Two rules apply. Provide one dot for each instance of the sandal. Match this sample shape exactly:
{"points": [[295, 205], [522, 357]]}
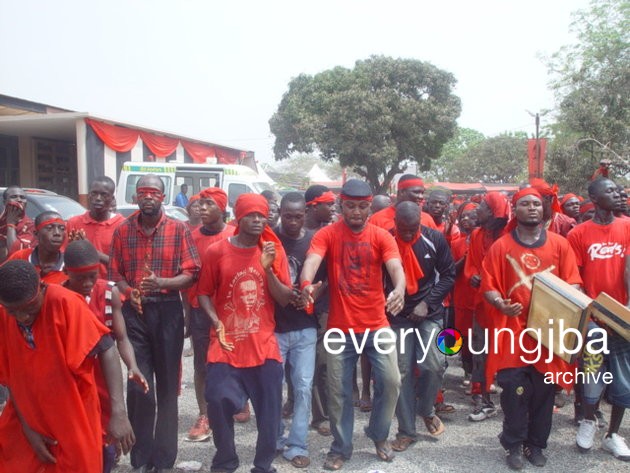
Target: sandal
{"points": [[384, 451], [443, 408], [322, 429], [402, 443], [434, 425], [365, 405], [334, 462], [300, 461]]}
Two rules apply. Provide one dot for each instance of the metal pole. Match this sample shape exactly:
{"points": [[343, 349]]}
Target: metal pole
{"points": [[538, 167]]}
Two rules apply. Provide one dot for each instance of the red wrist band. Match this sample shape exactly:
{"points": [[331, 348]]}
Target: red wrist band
{"points": [[305, 283]]}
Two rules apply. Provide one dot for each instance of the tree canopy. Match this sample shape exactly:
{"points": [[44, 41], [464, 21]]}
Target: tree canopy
{"points": [[374, 118], [591, 80]]}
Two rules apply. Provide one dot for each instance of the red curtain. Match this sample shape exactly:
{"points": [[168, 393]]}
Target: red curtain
{"points": [[198, 152], [115, 137], [161, 146], [225, 156]]}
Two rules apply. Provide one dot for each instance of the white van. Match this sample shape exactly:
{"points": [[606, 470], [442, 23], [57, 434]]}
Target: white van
{"points": [[234, 179]]}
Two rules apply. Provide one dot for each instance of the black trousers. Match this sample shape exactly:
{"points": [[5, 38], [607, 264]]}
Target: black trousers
{"points": [[527, 403], [157, 337], [263, 385]]}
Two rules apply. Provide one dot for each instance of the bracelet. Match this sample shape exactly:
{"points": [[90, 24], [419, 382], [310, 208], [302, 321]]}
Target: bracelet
{"points": [[305, 283]]}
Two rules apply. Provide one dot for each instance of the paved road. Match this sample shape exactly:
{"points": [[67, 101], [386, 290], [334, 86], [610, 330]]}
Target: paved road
{"points": [[464, 447]]}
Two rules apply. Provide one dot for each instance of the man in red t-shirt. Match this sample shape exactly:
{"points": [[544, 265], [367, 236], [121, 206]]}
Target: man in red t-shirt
{"points": [[601, 246], [98, 224], [16, 228], [506, 284], [241, 278], [355, 252], [212, 204], [47, 256], [410, 188]]}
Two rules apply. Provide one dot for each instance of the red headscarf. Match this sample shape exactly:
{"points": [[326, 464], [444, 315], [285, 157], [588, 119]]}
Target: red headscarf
{"points": [[568, 197], [251, 203], [586, 206], [544, 188], [218, 195], [498, 203], [515, 198], [467, 207]]}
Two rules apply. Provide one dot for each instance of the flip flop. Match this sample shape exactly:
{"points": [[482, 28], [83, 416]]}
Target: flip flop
{"points": [[384, 451], [334, 462], [365, 405], [443, 408], [402, 443], [300, 461], [434, 425]]}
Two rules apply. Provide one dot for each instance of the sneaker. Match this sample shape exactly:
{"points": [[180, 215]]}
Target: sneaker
{"points": [[482, 412], [515, 458], [601, 421], [616, 445], [200, 432], [244, 415], [586, 435], [535, 455]]}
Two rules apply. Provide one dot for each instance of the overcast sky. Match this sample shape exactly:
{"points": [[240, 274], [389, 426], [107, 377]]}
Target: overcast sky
{"points": [[217, 70]]}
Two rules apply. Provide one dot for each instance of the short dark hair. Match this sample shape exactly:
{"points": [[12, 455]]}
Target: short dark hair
{"points": [[80, 253], [597, 184], [20, 281], [269, 195], [108, 181], [150, 176], [292, 198], [5, 194], [314, 191]]}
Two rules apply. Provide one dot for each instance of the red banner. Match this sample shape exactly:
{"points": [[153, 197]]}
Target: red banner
{"points": [[536, 149]]}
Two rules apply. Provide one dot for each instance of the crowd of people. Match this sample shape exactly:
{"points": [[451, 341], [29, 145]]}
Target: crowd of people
{"points": [[297, 290]]}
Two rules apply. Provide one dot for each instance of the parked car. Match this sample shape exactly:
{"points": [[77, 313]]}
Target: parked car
{"points": [[171, 211], [40, 200]]}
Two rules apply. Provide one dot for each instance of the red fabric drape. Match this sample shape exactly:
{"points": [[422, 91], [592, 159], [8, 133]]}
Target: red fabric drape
{"points": [[199, 152], [161, 146], [536, 167], [225, 156], [115, 137]]}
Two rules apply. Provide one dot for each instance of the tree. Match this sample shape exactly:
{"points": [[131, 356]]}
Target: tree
{"points": [[374, 118], [464, 139], [591, 80], [499, 159]]}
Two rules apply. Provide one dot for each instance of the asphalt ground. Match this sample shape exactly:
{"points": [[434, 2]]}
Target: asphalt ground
{"points": [[464, 447]]}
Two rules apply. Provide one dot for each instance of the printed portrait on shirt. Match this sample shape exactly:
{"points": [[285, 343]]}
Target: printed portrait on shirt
{"points": [[246, 296], [355, 271]]}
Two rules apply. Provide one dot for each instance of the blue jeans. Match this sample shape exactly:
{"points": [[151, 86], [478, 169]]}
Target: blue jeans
{"points": [[298, 349], [424, 353], [386, 389]]}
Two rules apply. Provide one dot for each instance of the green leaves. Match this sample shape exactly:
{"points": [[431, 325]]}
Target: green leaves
{"points": [[371, 118]]}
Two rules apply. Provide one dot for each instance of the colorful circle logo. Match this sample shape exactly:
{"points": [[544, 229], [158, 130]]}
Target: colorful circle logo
{"points": [[449, 341]]}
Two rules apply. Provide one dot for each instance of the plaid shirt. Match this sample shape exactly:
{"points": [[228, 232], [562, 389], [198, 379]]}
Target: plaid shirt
{"points": [[168, 251]]}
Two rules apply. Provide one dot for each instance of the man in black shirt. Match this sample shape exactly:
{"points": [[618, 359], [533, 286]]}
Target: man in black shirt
{"points": [[430, 272]]}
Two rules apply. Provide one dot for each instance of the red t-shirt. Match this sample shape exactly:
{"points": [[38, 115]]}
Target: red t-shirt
{"points": [[601, 252], [463, 293], [237, 284], [100, 234], [509, 268], [355, 274], [55, 275], [203, 242], [385, 219]]}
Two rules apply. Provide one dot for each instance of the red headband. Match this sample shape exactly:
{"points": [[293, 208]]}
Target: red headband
{"points": [[83, 269], [469, 206], [498, 203], [218, 195], [347, 197], [406, 184], [326, 198], [586, 207], [49, 222], [523, 192], [568, 197], [250, 203], [193, 199]]}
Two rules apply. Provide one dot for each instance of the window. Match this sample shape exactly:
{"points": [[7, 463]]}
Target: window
{"points": [[235, 190]]}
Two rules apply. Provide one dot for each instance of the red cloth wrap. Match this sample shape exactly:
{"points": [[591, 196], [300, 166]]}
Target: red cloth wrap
{"points": [[410, 183], [568, 197], [48, 222], [586, 207], [218, 195], [325, 198], [544, 188], [83, 269], [413, 270], [523, 192], [347, 197], [498, 203], [468, 207], [251, 203]]}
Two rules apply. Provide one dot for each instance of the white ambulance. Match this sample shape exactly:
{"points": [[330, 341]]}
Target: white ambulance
{"points": [[234, 179]]}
